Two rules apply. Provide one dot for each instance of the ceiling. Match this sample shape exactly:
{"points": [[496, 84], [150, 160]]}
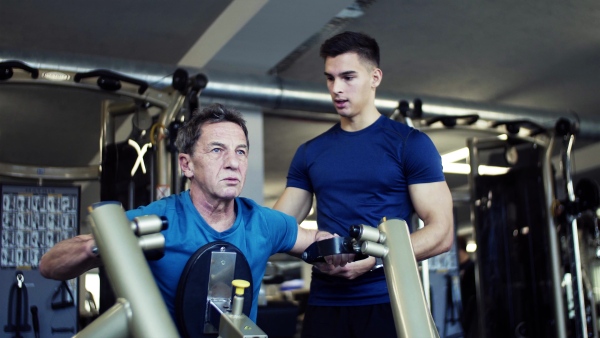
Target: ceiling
{"points": [[519, 57]]}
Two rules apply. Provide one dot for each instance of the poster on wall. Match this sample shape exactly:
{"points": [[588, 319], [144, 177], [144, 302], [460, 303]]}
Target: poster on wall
{"points": [[34, 218]]}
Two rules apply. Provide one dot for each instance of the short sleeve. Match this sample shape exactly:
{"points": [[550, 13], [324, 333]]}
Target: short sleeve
{"points": [[422, 161], [298, 172]]}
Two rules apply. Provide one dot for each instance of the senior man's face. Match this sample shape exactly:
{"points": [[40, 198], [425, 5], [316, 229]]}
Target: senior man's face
{"points": [[220, 160]]}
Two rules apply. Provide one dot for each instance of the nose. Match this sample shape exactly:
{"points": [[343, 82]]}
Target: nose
{"points": [[336, 86], [231, 160]]}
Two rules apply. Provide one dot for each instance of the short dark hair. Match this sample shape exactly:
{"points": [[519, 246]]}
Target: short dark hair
{"points": [[190, 132], [365, 46]]}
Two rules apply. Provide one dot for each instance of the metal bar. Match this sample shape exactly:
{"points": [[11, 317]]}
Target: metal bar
{"points": [[50, 173], [270, 92], [576, 269], [409, 306], [473, 160], [112, 323], [129, 273], [555, 265]]}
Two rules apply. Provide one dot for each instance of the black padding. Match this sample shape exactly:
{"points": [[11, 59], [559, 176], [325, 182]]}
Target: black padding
{"points": [[317, 251], [191, 297]]}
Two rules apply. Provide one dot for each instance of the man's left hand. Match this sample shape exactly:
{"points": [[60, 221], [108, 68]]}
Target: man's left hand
{"points": [[351, 270]]}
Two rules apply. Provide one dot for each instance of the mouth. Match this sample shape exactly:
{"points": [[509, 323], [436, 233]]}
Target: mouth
{"points": [[231, 180], [339, 103]]}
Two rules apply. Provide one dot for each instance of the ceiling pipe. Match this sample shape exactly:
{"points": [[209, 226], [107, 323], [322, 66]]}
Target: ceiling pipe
{"points": [[273, 93]]}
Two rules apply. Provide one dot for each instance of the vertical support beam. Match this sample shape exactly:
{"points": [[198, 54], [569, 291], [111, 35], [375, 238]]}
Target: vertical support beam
{"points": [[559, 306]]}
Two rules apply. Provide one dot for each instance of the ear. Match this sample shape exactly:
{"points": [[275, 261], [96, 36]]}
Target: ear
{"points": [[376, 77], [186, 165]]}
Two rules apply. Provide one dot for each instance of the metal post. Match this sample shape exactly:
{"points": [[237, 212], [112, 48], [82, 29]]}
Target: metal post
{"points": [[129, 273], [409, 306], [559, 306]]}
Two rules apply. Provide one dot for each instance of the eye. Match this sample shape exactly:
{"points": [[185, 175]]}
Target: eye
{"points": [[216, 150], [241, 152]]}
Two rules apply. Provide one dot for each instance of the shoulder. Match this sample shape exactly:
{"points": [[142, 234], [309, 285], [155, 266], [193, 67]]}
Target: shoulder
{"points": [[161, 207], [398, 128], [250, 208], [323, 137]]}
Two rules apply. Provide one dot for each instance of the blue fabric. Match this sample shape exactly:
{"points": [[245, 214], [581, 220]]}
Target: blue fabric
{"points": [[359, 178], [258, 232]]}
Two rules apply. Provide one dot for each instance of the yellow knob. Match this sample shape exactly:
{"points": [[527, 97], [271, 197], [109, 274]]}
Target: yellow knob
{"points": [[240, 285]]}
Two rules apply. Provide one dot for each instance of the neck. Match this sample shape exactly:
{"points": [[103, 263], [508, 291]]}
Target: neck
{"points": [[219, 214], [360, 121]]}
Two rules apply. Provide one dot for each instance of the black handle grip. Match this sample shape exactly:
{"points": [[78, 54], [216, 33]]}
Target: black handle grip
{"points": [[317, 251]]}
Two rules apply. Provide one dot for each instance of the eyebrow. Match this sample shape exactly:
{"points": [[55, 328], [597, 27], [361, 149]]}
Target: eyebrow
{"points": [[222, 145], [348, 72]]}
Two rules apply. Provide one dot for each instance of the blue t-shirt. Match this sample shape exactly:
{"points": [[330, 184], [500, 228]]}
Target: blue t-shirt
{"points": [[359, 178], [258, 232]]}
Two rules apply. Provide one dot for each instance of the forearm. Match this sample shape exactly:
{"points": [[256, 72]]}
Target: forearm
{"points": [[70, 258], [432, 240], [307, 237]]}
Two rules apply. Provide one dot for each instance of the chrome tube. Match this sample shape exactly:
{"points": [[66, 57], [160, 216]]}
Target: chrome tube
{"points": [[573, 230]]}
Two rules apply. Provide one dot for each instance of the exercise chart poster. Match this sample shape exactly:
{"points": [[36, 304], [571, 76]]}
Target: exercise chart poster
{"points": [[35, 218]]}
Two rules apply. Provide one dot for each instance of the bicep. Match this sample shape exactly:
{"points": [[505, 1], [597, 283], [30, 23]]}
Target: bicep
{"points": [[295, 202], [433, 204], [432, 201]]}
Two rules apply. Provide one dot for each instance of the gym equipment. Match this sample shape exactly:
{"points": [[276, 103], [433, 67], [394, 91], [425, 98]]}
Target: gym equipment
{"points": [[409, 306], [201, 294], [204, 293], [531, 280], [412, 317], [235, 324], [62, 297], [18, 304], [140, 310], [581, 307]]}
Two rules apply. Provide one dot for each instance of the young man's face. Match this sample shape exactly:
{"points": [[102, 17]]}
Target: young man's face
{"points": [[219, 162], [351, 83]]}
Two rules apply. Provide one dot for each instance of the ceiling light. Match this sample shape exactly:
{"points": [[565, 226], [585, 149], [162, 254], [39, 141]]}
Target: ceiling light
{"points": [[464, 169], [455, 156]]}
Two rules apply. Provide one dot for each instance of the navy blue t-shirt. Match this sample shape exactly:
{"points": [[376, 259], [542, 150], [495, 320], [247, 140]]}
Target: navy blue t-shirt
{"points": [[359, 178]]}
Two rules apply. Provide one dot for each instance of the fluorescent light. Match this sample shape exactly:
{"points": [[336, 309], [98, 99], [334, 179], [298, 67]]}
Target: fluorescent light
{"points": [[464, 169], [471, 246], [454, 156], [450, 167]]}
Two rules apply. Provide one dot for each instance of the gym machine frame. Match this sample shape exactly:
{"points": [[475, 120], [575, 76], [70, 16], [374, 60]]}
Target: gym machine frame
{"points": [[171, 101], [140, 310]]}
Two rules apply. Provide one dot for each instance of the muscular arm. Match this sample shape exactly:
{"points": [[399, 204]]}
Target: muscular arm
{"points": [[70, 258], [295, 202], [433, 204]]}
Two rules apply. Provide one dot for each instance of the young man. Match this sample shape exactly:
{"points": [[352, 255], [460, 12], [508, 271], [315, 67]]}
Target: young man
{"points": [[364, 168], [213, 147]]}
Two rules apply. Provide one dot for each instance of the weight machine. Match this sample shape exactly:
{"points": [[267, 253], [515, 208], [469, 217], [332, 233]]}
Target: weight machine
{"points": [[535, 230]]}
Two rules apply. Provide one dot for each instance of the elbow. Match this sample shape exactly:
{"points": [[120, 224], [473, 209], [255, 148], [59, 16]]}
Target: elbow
{"points": [[446, 241], [43, 268], [446, 244]]}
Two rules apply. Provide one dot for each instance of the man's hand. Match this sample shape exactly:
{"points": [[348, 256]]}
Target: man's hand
{"points": [[333, 261], [349, 271]]}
